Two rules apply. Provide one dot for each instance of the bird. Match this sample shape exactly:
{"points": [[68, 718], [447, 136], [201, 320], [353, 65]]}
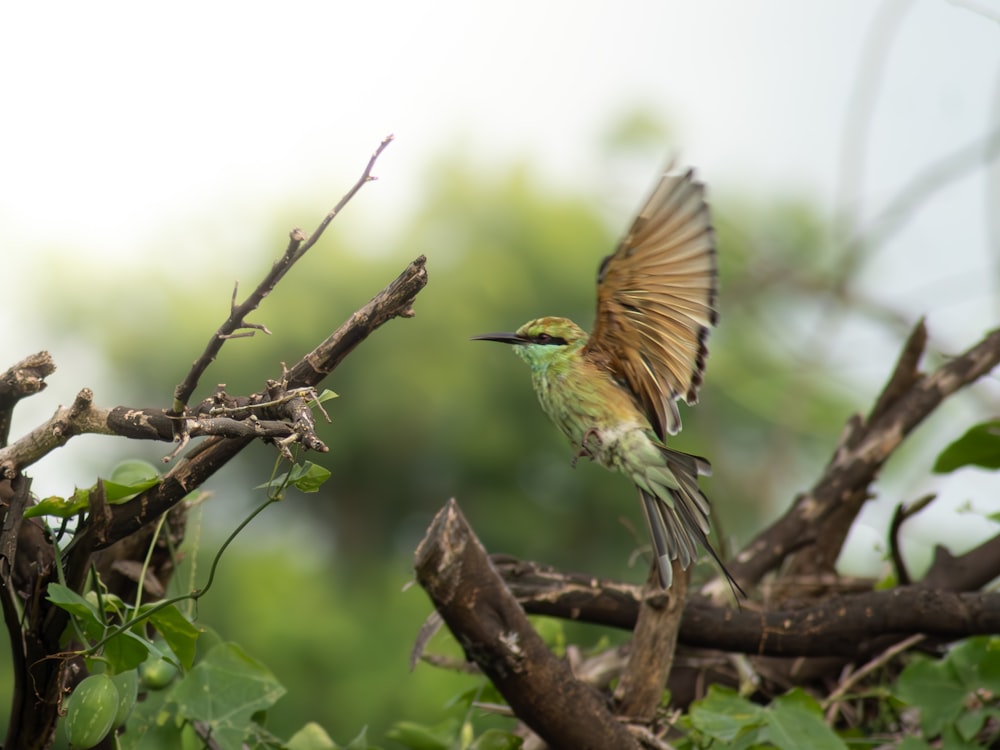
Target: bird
{"points": [[614, 392]]}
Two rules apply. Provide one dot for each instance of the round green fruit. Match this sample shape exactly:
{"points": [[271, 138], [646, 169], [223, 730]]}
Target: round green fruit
{"points": [[157, 673], [90, 711]]}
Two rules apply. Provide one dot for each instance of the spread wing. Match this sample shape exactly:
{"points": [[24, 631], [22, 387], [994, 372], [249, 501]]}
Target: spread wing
{"points": [[655, 301]]}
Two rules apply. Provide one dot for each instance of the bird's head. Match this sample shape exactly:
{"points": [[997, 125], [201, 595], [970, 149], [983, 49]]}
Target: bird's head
{"points": [[542, 341]]}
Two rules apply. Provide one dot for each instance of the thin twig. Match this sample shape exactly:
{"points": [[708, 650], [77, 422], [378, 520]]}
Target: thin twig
{"points": [[848, 683], [899, 517], [238, 312]]}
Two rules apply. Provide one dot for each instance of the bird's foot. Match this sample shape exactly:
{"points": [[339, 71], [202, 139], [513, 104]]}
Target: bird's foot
{"points": [[585, 451]]}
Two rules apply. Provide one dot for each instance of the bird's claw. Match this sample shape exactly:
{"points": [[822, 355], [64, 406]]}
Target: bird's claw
{"points": [[584, 450]]}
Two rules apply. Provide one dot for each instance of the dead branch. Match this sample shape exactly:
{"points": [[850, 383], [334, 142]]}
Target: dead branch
{"points": [[456, 573], [297, 247], [651, 655], [14, 497], [25, 378], [834, 501], [396, 300], [848, 625], [966, 572]]}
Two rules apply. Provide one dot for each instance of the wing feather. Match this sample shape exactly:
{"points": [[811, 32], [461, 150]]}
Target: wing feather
{"points": [[656, 300]]}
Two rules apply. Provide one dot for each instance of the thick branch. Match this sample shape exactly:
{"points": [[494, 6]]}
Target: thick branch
{"points": [[454, 569], [152, 424], [13, 500], [651, 653], [845, 625], [80, 417], [966, 572], [908, 399]]}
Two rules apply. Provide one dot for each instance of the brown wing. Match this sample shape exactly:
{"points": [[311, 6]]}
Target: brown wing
{"points": [[655, 301]]}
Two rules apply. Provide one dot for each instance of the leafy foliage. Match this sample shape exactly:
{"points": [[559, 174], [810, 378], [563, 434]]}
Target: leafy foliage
{"points": [[958, 695], [127, 480], [725, 719]]}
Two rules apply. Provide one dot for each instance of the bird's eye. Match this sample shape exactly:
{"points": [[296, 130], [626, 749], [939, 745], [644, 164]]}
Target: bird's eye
{"points": [[549, 339]]}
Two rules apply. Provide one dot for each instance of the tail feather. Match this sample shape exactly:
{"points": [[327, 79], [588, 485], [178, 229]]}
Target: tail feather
{"points": [[679, 524]]}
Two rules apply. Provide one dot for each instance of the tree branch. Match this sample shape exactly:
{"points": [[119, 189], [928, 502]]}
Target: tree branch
{"points": [[395, 300], [25, 378], [236, 321], [832, 504], [651, 653], [456, 573], [846, 625]]}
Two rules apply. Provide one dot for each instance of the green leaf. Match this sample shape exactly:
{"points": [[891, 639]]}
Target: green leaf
{"points": [[980, 446], [969, 724], [308, 477], [952, 740], [135, 472], [179, 632], [913, 743], [85, 614], [419, 737], [67, 599], [313, 737], [128, 479], [225, 690], [795, 720], [326, 395], [724, 715], [55, 506], [305, 477], [977, 663], [126, 651], [936, 690], [118, 494]]}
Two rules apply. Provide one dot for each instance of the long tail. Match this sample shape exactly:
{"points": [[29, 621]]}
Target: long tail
{"points": [[679, 522]]}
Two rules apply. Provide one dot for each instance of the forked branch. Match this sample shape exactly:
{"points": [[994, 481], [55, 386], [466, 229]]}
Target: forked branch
{"points": [[457, 574], [297, 247]]}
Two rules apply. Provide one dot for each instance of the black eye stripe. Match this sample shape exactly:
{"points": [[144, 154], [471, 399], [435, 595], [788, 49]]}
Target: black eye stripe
{"points": [[548, 340]]}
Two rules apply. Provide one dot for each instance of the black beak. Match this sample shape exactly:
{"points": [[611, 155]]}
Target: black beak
{"points": [[504, 338]]}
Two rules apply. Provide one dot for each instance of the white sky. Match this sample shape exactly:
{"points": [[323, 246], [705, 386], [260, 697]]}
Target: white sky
{"points": [[122, 121]]}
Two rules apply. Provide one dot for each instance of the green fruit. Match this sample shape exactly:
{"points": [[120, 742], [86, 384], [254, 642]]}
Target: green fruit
{"points": [[90, 711], [156, 674], [127, 684]]}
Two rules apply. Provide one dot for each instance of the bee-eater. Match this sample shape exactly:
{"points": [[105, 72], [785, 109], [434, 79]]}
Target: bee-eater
{"points": [[614, 393]]}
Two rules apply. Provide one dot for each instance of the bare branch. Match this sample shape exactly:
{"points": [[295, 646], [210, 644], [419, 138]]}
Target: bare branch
{"points": [[456, 573], [651, 655], [899, 517], [847, 625], [853, 678], [25, 378], [840, 492], [238, 312], [966, 572], [395, 300], [80, 417]]}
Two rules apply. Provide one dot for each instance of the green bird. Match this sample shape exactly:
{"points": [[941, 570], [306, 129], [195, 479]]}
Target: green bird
{"points": [[614, 392]]}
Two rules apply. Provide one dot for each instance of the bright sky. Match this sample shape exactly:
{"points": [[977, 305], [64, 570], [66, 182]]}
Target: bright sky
{"points": [[125, 120]]}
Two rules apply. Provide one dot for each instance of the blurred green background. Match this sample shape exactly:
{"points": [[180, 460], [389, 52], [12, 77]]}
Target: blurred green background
{"points": [[153, 157], [317, 587]]}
